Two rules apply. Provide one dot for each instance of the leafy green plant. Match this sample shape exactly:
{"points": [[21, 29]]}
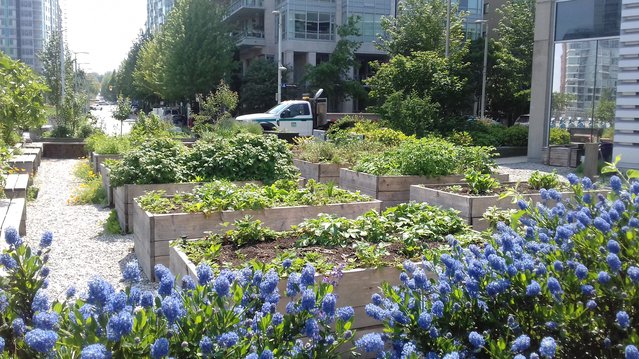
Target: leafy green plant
{"points": [[371, 255], [248, 231], [240, 158], [158, 160], [479, 184], [107, 145], [148, 127], [539, 180], [32, 193], [112, 225], [559, 136], [90, 189], [221, 195]]}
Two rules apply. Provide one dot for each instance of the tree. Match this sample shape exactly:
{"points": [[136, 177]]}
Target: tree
{"points": [[418, 26], [335, 75], [216, 107], [21, 98], [259, 85], [191, 53], [52, 70], [561, 101], [606, 107], [122, 111], [509, 79], [425, 75], [125, 82]]}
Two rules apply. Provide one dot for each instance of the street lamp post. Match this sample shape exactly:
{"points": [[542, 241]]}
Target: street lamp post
{"points": [[448, 28], [280, 68], [483, 76]]}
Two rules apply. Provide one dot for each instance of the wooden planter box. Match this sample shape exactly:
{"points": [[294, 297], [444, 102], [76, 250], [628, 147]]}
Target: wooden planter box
{"points": [[63, 148], [106, 183], [153, 232], [16, 185], [320, 172], [97, 159], [393, 190], [472, 208], [23, 164], [123, 198], [564, 156], [13, 213], [355, 288]]}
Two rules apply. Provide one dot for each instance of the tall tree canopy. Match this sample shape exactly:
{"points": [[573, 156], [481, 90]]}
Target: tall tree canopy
{"points": [[190, 54], [509, 78], [52, 72], [420, 26], [124, 79], [21, 98]]}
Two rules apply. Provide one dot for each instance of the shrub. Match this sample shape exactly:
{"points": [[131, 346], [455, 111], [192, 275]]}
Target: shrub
{"points": [[107, 145], [112, 225], [488, 134], [228, 128], [233, 314], [559, 136], [430, 156], [241, 158], [90, 190], [516, 136], [560, 283], [347, 152], [156, 161], [148, 127], [539, 180]]}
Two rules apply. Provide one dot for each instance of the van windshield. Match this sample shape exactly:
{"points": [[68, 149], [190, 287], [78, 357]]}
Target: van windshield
{"points": [[277, 109]]}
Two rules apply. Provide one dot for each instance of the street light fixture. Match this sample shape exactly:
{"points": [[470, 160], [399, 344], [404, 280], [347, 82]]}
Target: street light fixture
{"points": [[280, 68], [483, 77]]}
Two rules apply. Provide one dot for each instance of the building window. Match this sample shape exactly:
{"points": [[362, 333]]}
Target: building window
{"points": [[314, 25], [584, 19]]}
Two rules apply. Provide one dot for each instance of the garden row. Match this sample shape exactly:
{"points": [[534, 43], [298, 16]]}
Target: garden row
{"points": [[559, 282], [18, 165]]}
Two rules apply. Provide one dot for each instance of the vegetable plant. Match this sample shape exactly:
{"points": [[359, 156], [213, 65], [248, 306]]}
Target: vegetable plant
{"points": [[480, 184], [539, 180]]}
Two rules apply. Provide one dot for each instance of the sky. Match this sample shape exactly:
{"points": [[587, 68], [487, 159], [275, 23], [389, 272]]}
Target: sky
{"points": [[105, 29]]}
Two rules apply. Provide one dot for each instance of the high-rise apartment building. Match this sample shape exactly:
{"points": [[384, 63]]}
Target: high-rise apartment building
{"points": [[25, 28], [156, 13]]}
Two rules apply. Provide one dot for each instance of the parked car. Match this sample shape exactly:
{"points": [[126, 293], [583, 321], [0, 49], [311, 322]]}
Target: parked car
{"points": [[523, 120]]}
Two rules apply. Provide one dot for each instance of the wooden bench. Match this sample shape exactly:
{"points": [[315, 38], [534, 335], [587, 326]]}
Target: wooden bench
{"points": [[16, 185]]}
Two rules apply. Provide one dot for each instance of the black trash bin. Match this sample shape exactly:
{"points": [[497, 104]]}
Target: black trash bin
{"points": [[605, 150]]}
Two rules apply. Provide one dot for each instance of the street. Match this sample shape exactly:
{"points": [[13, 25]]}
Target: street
{"points": [[108, 124]]}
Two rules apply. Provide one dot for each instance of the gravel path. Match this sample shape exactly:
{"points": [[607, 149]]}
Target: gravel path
{"points": [[80, 249], [521, 171]]}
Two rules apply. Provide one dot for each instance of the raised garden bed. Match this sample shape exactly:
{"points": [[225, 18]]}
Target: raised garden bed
{"points": [[563, 156], [472, 207], [354, 288], [70, 148], [97, 159], [37, 151], [16, 185], [153, 232], [106, 183], [393, 190], [13, 213], [23, 164], [123, 197], [320, 172]]}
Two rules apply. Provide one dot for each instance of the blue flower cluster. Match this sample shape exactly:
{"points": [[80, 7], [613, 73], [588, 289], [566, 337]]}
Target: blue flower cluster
{"points": [[564, 256], [229, 314]]}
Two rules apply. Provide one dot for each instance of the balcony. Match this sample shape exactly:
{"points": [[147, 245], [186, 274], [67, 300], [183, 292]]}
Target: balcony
{"points": [[246, 39], [244, 8]]}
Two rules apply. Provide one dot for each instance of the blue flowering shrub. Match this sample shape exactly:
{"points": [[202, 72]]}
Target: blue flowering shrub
{"points": [[236, 314], [562, 281]]}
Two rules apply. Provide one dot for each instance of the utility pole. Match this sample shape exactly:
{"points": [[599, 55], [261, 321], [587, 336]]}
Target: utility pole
{"points": [[62, 72], [448, 29], [280, 68], [483, 77]]}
